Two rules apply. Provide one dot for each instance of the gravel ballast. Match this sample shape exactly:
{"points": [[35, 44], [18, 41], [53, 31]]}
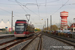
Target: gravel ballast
{"points": [[19, 46], [7, 39], [53, 44], [32, 46]]}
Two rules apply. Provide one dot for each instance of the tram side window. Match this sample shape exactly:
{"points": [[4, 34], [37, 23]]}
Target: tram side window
{"points": [[26, 27], [71, 29]]}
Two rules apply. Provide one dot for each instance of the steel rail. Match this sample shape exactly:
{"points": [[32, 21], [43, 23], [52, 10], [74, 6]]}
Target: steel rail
{"points": [[65, 40], [40, 43], [25, 46], [13, 44]]}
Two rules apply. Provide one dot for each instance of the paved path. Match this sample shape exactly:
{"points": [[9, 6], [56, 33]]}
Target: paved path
{"points": [[1, 35]]}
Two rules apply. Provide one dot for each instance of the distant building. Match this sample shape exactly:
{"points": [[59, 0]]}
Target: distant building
{"points": [[72, 27], [4, 25], [64, 16]]}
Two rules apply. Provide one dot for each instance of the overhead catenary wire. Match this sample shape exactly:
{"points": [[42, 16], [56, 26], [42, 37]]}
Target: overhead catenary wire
{"points": [[23, 5], [8, 12], [61, 7], [50, 2], [43, 3], [38, 5], [5, 10], [26, 7], [30, 10], [27, 3], [20, 5], [46, 7], [38, 8]]}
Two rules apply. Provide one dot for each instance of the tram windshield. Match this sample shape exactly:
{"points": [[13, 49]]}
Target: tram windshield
{"points": [[19, 27]]}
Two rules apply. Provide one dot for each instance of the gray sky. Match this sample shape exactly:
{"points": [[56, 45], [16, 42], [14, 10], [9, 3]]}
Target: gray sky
{"points": [[38, 9]]}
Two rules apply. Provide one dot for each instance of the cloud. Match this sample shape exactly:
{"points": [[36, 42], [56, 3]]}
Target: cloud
{"points": [[36, 14]]}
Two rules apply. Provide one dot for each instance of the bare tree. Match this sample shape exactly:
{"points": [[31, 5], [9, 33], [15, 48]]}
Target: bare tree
{"points": [[70, 22]]}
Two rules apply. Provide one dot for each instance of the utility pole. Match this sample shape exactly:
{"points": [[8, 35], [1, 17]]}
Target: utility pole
{"points": [[51, 21], [47, 23], [43, 27], [12, 22]]}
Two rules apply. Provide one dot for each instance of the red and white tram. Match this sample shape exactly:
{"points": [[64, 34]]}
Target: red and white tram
{"points": [[23, 29]]}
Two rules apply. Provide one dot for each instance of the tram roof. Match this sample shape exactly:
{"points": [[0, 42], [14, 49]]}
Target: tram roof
{"points": [[22, 20]]}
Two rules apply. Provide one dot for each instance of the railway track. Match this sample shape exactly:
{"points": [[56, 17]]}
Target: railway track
{"points": [[38, 47], [26, 42], [69, 41], [9, 44], [4, 37], [40, 43]]}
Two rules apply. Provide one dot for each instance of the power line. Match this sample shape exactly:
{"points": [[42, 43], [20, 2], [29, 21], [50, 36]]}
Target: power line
{"points": [[38, 8], [50, 2], [10, 0], [7, 11], [44, 3], [20, 5], [30, 10], [7, 4], [61, 7], [46, 6], [24, 6]]}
